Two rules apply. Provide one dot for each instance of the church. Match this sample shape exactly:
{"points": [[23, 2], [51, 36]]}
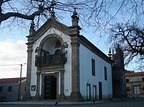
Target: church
{"points": [[64, 65]]}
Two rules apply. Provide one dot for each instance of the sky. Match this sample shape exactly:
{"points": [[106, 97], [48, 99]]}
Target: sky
{"points": [[13, 49], [13, 52]]}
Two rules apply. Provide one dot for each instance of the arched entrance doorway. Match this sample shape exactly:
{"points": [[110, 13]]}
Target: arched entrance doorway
{"points": [[50, 87]]}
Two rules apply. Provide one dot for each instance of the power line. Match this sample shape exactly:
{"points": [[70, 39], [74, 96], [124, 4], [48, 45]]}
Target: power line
{"points": [[13, 64]]}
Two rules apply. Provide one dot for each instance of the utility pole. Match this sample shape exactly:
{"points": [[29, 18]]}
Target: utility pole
{"points": [[19, 91]]}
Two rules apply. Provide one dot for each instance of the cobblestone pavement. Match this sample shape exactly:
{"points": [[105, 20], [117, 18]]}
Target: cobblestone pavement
{"points": [[135, 102]]}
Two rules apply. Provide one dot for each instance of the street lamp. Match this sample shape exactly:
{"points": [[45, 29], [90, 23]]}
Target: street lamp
{"points": [[19, 91]]}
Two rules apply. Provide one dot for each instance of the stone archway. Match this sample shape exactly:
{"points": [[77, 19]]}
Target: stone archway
{"points": [[52, 57]]}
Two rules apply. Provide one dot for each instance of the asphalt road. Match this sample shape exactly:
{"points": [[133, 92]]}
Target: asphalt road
{"points": [[122, 103]]}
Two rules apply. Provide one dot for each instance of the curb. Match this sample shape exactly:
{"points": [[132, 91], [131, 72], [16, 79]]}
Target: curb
{"points": [[57, 103]]}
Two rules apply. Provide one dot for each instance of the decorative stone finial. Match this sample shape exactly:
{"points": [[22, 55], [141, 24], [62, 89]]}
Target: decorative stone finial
{"points": [[75, 18], [74, 12], [32, 28]]}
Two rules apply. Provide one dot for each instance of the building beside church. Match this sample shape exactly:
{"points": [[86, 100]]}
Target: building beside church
{"points": [[62, 64], [135, 84], [12, 89], [118, 73]]}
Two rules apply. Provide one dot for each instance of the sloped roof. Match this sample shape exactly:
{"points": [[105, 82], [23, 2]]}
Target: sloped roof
{"points": [[11, 80], [94, 49], [128, 71], [50, 23], [134, 74]]}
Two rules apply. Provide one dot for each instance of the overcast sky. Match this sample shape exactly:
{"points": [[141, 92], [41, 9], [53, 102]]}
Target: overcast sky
{"points": [[12, 53]]}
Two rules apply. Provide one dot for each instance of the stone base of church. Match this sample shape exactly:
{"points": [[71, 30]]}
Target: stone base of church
{"points": [[61, 96], [26, 97], [75, 96]]}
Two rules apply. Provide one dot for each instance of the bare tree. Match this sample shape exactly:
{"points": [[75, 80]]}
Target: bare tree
{"points": [[32, 9], [96, 13], [130, 37]]}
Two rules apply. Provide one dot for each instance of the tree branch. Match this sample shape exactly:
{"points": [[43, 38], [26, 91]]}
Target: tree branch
{"points": [[20, 15]]}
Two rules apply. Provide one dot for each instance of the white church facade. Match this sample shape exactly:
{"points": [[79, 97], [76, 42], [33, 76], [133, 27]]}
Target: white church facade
{"points": [[62, 64]]}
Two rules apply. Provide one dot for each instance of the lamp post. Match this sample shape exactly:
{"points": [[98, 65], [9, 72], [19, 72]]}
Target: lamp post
{"points": [[19, 91]]}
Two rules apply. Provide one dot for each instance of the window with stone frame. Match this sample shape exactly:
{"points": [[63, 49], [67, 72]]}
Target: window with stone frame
{"points": [[142, 78], [127, 80], [93, 66], [88, 91], [94, 92], [105, 73], [136, 89]]}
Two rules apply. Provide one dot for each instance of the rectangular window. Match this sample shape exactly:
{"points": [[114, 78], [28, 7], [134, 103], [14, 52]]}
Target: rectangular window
{"points": [[105, 73], [93, 67], [127, 80], [100, 90], [1, 89], [9, 89], [136, 89], [143, 79]]}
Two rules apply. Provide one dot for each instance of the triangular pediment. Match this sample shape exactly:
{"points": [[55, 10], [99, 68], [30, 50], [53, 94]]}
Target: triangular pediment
{"points": [[51, 23]]}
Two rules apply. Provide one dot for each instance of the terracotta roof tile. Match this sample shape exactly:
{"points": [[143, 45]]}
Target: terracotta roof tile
{"points": [[11, 80], [135, 74]]}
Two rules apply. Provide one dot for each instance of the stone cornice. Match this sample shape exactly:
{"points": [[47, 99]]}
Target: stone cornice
{"points": [[52, 68]]}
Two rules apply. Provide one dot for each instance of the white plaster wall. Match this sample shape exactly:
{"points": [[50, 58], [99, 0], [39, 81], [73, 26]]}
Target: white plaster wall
{"points": [[86, 73], [67, 66], [67, 74]]}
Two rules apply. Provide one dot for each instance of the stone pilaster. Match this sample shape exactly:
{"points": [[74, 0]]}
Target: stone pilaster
{"points": [[38, 86], [28, 78], [75, 94], [62, 96]]}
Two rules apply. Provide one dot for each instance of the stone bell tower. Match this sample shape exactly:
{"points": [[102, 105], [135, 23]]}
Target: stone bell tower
{"points": [[118, 73]]}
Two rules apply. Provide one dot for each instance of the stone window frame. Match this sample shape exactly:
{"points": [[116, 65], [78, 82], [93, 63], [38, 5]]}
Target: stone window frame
{"points": [[88, 91], [136, 89], [105, 73], [94, 92]]}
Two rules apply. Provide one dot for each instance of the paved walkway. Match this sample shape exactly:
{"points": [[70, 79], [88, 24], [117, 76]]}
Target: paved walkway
{"points": [[60, 103]]}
